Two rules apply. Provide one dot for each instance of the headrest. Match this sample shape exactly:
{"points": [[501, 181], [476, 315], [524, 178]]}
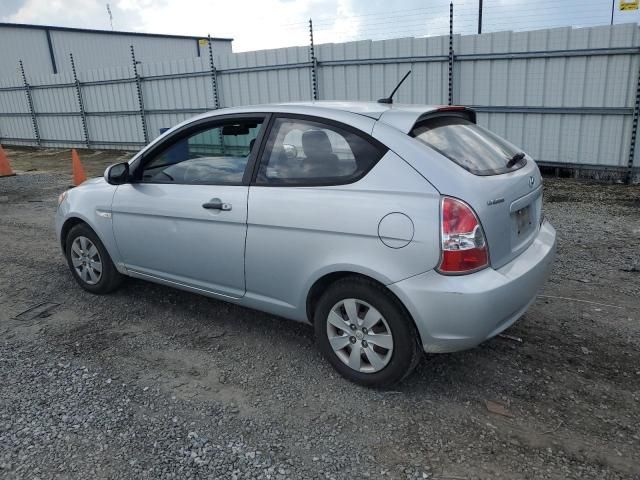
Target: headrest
{"points": [[315, 143]]}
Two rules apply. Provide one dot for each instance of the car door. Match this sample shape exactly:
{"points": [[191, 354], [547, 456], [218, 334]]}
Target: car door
{"points": [[311, 207], [183, 217]]}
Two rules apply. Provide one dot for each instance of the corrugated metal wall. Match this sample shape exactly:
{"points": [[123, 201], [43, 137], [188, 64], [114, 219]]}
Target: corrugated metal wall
{"points": [[264, 76], [91, 49], [593, 94], [367, 70], [21, 43], [567, 96], [111, 104], [114, 49]]}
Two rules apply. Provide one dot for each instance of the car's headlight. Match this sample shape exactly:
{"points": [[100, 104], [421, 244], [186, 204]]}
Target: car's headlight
{"points": [[61, 197]]}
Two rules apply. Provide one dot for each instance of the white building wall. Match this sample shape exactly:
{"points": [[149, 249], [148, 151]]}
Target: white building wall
{"points": [[92, 49]]}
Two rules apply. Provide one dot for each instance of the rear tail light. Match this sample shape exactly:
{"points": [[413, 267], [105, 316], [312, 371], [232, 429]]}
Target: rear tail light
{"points": [[464, 248]]}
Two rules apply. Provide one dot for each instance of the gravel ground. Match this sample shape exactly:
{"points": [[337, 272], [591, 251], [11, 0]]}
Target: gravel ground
{"points": [[151, 382]]}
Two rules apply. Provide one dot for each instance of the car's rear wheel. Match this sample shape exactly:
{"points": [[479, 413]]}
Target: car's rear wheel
{"points": [[365, 333], [89, 261]]}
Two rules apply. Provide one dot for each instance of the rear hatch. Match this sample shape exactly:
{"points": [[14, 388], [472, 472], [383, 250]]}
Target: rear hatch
{"points": [[499, 181]]}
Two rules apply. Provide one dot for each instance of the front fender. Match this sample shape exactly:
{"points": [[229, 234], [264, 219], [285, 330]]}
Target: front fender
{"points": [[91, 203]]}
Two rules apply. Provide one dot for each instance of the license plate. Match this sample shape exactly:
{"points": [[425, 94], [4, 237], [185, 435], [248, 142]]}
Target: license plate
{"points": [[523, 220]]}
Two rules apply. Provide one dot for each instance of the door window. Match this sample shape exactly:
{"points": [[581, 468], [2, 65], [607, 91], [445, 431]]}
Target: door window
{"points": [[215, 155], [304, 152]]}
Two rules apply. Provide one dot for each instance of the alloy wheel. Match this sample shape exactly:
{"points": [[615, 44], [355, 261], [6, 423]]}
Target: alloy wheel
{"points": [[86, 260], [359, 335]]}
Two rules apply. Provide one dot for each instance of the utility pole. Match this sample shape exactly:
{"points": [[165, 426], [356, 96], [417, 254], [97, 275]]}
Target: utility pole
{"points": [[613, 7], [480, 17], [110, 15]]}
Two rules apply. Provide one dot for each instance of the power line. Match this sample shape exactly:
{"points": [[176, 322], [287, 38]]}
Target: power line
{"points": [[433, 21], [499, 9], [459, 19], [385, 14], [360, 29]]}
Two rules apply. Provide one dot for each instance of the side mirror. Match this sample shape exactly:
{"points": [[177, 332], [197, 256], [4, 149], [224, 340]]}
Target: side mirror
{"points": [[117, 174]]}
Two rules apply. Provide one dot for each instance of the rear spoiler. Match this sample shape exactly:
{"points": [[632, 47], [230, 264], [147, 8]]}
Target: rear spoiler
{"points": [[449, 111], [405, 118]]}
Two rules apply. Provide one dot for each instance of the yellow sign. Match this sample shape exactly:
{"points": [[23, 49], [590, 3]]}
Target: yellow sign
{"points": [[203, 42], [629, 4]]}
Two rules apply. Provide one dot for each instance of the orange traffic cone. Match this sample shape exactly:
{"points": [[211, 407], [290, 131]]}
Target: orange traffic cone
{"points": [[5, 166], [78, 170]]}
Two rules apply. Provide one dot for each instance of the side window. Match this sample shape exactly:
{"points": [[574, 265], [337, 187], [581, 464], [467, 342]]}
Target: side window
{"points": [[304, 152], [214, 155]]}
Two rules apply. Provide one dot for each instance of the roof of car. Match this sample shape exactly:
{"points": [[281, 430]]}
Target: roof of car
{"points": [[361, 115], [369, 109], [400, 116]]}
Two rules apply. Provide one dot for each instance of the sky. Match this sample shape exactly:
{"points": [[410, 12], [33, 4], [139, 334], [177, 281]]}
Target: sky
{"points": [[259, 24]]}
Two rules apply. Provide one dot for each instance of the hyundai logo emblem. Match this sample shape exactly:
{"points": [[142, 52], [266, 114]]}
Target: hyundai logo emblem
{"points": [[532, 180]]}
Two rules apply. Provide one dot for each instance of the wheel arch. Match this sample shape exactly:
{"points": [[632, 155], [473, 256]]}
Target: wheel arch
{"points": [[71, 222], [322, 283], [68, 224]]}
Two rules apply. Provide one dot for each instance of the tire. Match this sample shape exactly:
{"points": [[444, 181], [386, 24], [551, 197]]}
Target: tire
{"points": [[85, 253], [382, 361]]}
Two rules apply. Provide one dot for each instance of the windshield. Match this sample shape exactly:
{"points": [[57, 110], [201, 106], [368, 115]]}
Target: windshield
{"points": [[474, 148]]}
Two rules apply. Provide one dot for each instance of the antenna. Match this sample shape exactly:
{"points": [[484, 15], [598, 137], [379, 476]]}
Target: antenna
{"points": [[110, 16], [389, 99]]}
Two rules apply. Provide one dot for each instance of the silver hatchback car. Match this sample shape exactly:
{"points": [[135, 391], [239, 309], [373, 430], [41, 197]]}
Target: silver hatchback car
{"points": [[393, 229]]}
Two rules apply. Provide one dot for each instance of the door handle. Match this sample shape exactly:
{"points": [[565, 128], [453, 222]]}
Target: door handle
{"points": [[217, 204]]}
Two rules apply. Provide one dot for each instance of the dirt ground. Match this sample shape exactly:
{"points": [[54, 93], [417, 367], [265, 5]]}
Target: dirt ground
{"points": [[28, 160], [151, 382]]}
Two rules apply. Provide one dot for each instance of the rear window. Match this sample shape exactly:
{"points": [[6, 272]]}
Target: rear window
{"points": [[474, 148]]}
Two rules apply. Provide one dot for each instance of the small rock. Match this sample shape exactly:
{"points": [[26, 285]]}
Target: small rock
{"points": [[497, 408]]}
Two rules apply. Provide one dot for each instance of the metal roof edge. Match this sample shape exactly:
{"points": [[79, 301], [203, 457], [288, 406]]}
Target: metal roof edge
{"points": [[108, 32]]}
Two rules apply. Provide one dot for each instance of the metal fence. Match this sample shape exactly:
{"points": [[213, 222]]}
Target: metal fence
{"points": [[568, 96]]}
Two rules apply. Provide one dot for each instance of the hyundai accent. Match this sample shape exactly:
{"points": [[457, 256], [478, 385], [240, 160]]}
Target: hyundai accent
{"points": [[393, 229]]}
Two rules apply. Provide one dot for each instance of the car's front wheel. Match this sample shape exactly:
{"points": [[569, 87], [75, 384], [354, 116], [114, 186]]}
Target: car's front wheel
{"points": [[365, 333], [89, 261]]}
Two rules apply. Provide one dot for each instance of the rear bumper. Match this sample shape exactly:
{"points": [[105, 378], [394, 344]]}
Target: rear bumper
{"points": [[459, 312]]}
